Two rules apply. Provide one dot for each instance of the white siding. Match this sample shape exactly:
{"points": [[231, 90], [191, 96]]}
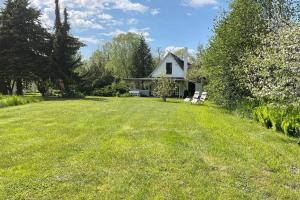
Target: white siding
{"points": [[177, 71]]}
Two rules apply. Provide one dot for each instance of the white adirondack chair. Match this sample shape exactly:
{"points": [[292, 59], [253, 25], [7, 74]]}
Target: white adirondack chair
{"points": [[196, 96], [201, 99]]}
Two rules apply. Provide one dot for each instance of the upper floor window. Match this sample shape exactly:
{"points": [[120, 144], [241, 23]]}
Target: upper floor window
{"points": [[169, 68]]}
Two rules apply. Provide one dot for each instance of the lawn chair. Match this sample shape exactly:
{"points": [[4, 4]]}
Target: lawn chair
{"points": [[196, 96], [201, 100]]}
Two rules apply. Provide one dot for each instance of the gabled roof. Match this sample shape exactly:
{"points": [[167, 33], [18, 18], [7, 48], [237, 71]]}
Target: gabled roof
{"points": [[178, 60]]}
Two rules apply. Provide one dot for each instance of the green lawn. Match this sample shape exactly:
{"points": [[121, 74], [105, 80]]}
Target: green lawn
{"points": [[138, 148]]}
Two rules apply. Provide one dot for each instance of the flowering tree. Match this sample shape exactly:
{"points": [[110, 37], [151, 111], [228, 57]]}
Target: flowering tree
{"points": [[273, 70], [164, 88]]}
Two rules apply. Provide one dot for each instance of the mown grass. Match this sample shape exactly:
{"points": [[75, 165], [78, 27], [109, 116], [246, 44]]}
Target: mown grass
{"points": [[136, 148], [6, 101]]}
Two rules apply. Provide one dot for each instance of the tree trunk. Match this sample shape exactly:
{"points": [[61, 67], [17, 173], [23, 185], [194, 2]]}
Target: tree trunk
{"points": [[19, 87], [3, 88], [299, 142], [42, 88], [10, 87], [164, 99]]}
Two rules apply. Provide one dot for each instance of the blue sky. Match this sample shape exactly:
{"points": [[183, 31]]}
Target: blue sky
{"points": [[168, 24]]}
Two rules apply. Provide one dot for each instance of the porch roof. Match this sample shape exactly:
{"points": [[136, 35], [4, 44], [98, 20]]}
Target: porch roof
{"points": [[153, 79]]}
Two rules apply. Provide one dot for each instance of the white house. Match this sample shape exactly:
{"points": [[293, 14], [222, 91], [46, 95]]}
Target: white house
{"points": [[171, 67]]}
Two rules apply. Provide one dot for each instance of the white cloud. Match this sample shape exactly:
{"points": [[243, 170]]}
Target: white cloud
{"points": [[104, 16], [199, 3], [90, 40], [143, 31], [155, 11], [174, 49], [127, 5], [89, 24], [88, 13], [132, 21], [114, 33]]}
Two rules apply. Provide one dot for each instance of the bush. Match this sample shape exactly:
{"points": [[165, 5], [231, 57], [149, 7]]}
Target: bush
{"points": [[73, 94], [115, 89], [6, 101], [107, 91], [276, 117], [284, 119], [261, 114]]}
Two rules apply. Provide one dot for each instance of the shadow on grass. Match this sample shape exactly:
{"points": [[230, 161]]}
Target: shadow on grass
{"points": [[75, 99]]}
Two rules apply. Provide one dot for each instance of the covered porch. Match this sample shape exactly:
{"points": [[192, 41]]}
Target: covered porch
{"points": [[145, 87]]}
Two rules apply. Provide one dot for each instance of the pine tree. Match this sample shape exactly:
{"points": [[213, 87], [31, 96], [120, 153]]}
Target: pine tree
{"points": [[65, 56], [142, 59], [23, 42]]}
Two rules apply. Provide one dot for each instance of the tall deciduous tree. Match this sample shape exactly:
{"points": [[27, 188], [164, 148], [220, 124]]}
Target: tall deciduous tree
{"points": [[94, 74], [121, 55], [235, 34], [273, 70]]}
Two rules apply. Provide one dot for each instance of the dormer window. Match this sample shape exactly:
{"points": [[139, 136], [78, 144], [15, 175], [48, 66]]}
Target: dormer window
{"points": [[169, 68]]}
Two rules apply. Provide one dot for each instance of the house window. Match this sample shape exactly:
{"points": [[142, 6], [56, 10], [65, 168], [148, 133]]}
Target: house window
{"points": [[169, 68]]}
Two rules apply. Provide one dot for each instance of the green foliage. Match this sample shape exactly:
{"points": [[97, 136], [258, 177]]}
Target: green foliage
{"points": [[164, 88], [24, 45], [6, 101], [65, 58], [121, 54], [142, 59], [235, 33], [262, 115], [73, 93], [115, 89], [284, 119], [129, 55], [94, 74], [272, 71]]}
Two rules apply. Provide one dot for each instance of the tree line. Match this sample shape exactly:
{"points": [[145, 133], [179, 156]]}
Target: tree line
{"points": [[128, 55], [254, 53], [252, 62], [31, 53], [49, 58]]}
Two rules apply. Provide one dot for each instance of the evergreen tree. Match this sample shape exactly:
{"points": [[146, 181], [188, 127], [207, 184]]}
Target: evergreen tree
{"points": [[142, 59], [23, 42], [65, 56]]}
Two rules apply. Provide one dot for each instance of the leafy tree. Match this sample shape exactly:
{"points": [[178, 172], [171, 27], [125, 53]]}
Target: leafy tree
{"points": [[65, 57], [273, 70], [142, 59], [94, 74], [195, 70], [235, 33], [121, 55], [164, 88], [23, 42]]}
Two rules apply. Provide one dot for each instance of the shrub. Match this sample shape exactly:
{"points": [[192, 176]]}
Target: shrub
{"points": [[276, 117], [164, 87], [107, 91], [115, 89], [261, 114], [73, 94], [6, 101], [284, 119]]}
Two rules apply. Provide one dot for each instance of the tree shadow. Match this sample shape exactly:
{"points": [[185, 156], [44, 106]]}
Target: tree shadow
{"points": [[53, 98]]}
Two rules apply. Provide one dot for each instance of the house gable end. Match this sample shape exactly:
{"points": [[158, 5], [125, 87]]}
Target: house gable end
{"points": [[177, 70]]}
